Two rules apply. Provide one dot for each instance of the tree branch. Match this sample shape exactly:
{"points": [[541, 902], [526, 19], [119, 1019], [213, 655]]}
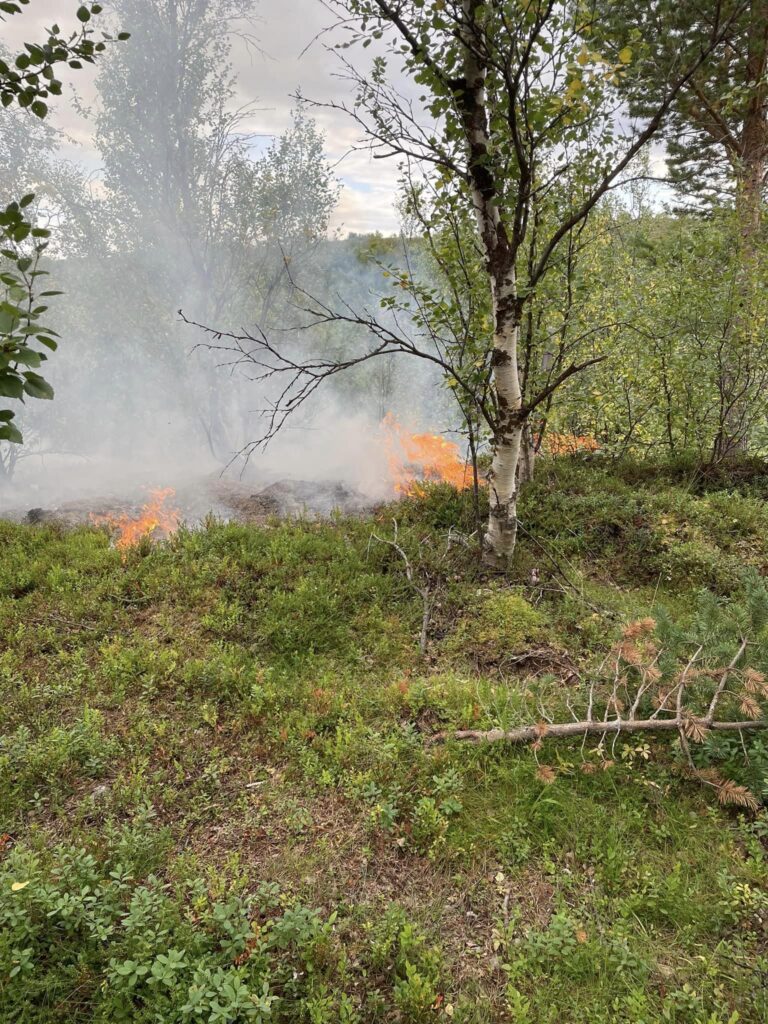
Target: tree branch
{"points": [[531, 733], [645, 136]]}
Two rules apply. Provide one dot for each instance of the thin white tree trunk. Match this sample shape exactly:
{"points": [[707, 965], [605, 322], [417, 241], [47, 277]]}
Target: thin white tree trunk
{"points": [[501, 534], [527, 465]]}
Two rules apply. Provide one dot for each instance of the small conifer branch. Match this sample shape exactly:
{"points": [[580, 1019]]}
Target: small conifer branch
{"points": [[724, 681], [614, 720], [565, 730], [679, 713]]}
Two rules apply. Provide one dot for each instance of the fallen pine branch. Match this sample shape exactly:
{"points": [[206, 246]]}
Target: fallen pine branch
{"points": [[532, 733], [638, 652], [694, 699]]}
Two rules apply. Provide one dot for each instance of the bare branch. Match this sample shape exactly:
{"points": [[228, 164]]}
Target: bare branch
{"points": [[529, 733]]}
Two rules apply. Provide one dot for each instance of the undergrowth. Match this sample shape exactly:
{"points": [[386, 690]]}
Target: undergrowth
{"points": [[217, 802]]}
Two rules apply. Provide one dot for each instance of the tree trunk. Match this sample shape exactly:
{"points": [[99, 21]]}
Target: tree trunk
{"points": [[733, 434], [501, 534], [500, 256], [527, 467], [735, 373]]}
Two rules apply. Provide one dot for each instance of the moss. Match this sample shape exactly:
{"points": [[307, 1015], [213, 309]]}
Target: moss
{"points": [[501, 625]]}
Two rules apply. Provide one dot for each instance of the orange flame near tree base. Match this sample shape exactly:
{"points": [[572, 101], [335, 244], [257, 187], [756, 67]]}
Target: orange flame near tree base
{"points": [[154, 520], [416, 459]]}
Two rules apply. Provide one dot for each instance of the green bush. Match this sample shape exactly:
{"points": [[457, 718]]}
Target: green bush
{"points": [[253, 702], [49, 763], [85, 939]]}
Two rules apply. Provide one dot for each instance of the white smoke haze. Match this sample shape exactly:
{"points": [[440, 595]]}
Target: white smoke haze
{"points": [[193, 208], [331, 447]]}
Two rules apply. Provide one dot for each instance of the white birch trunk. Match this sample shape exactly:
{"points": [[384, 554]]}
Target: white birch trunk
{"points": [[501, 532]]}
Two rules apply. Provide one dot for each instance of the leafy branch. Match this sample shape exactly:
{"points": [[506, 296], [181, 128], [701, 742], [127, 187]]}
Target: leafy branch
{"points": [[29, 80], [20, 314]]}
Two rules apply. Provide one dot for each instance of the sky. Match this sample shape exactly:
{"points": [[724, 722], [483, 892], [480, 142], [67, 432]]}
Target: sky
{"points": [[290, 58]]}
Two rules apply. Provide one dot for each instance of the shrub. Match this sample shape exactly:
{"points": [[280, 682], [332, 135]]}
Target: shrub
{"points": [[83, 939]]}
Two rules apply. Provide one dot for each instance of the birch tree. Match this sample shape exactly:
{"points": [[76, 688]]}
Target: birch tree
{"points": [[515, 100], [519, 111]]}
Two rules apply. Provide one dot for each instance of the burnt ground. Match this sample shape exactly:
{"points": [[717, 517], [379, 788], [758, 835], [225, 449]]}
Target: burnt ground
{"points": [[224, 499]]}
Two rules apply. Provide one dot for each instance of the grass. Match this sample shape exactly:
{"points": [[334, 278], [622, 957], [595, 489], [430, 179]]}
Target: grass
{"points": [[216, 802]]}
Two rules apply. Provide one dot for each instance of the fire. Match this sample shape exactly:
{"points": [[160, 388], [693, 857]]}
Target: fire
{"points": [[569, 444], [418, 458], [155, 520]]}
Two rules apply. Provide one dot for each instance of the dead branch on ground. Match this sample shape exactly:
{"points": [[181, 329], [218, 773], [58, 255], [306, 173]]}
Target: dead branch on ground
{"points": [[630, 694]]}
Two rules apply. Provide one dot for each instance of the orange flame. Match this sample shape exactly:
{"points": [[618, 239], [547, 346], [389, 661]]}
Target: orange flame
{"points": [[154, 520], [417, 458], [569, 444]]}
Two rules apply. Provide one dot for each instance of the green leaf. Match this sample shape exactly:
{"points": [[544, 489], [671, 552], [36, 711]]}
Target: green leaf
{"points": [[84, 14], [11, 433], [36, 386], [11, 386], [8, 321], [28, 357]]}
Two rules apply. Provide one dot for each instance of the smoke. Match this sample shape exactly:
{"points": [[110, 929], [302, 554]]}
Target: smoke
{"points": [[331, 446], [188, 212]]}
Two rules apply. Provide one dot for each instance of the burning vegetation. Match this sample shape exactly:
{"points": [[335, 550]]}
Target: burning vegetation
{"points": [[155, 520], [569, 444], [415, 459], [403, 465]]}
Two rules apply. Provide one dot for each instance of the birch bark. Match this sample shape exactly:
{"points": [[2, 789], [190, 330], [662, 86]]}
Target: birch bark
{"points": [[501, 530]]}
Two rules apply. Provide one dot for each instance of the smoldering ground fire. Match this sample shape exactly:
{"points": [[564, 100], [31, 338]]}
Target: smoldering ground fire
{"points": [[409, 461]]}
